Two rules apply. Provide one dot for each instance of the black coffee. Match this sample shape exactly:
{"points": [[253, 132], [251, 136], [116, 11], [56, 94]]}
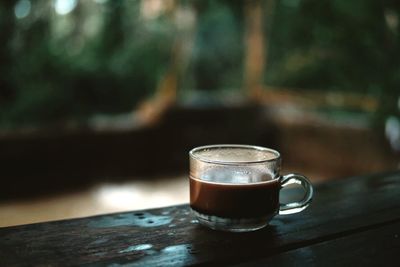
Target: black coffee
{"points": [[251, 200]]}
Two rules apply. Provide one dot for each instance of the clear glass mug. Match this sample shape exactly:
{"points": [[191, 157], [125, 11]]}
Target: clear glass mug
{"points": [[236, 187]]}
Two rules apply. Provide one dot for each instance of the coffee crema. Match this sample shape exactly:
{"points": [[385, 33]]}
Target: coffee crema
{"points": [[230, 200]]}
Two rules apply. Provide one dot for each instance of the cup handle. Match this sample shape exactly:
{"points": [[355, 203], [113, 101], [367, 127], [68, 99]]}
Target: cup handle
{"points": [[299, 206]]}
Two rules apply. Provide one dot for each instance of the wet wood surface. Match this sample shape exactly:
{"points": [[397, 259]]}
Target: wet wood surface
{"points": [[379, 246], [351, 221]]}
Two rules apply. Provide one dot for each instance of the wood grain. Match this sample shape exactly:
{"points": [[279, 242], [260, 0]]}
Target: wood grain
{"points": [[170, 236], [376, 247]]}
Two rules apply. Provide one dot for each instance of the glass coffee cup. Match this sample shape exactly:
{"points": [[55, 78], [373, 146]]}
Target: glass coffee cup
{"points": [[236, 187]]}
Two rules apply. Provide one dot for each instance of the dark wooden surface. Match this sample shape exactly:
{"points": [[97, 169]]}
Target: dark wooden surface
{"points": [[354, 221], [379, 246]]}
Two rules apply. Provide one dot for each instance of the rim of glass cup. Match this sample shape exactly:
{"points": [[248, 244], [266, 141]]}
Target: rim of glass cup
{"points": [[219, 162]]}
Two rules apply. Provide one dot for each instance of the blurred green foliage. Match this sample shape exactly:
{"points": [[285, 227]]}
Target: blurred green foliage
{"points": [[350, 46], [57, 72], [107, 56], [217, 61]]}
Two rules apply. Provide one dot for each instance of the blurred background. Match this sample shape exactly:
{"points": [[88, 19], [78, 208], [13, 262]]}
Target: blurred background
{"points": [[100, 101]]}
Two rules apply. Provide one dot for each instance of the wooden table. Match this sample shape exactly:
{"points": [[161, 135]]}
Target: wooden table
{"points": [[352, 222]]}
